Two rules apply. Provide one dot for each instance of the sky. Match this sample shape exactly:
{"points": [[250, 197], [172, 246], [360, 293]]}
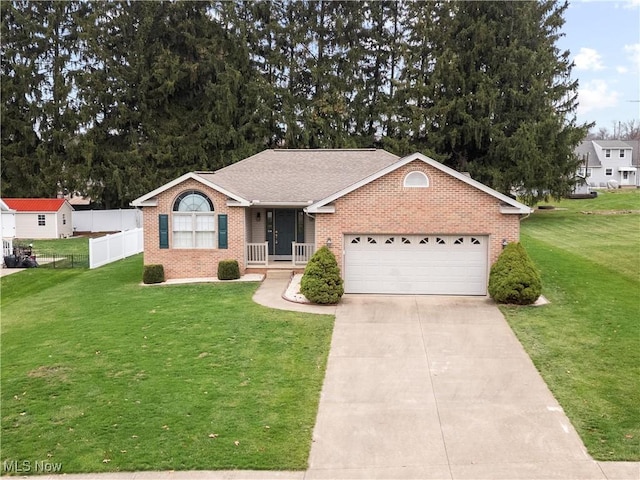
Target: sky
{"points": [[603, 37]]}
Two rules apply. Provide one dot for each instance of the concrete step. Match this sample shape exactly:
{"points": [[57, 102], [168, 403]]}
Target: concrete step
{"points": [[279, 273]]}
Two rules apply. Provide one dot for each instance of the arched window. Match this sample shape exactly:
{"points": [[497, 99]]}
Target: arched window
{"points": [[193, 221], [416, 180], [192, 201]]}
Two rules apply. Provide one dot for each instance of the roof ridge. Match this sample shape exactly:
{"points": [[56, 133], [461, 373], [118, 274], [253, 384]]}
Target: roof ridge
{"points": [[328, 150]]}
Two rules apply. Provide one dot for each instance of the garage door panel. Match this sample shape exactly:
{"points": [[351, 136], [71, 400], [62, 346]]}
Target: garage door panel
{"points": [[416, 264]]}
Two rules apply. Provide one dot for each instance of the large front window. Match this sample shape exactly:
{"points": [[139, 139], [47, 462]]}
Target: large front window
{"points": [[193, 221]]}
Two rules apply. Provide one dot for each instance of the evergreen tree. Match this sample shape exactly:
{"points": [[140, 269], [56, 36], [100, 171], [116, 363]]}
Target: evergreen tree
{"points": [[172, 91], [41, 45], [501, 102], [20, 171], [112, 99]]}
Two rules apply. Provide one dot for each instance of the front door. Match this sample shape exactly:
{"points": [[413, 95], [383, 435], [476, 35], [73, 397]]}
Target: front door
{"points": [[281, 233]]}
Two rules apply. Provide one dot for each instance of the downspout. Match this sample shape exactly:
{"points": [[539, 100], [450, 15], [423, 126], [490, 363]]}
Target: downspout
{"points": [[308, 214], [525, 217]]}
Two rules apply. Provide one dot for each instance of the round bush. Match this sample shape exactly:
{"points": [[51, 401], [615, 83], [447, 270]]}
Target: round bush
{"points": [[321, 282], [514, 278], [228, 270], [153, 274]]}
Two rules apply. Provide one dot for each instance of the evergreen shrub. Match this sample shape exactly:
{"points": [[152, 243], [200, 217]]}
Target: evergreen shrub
{"points": [[514, 278], [153, 274], [321, 282], [228, 270]]}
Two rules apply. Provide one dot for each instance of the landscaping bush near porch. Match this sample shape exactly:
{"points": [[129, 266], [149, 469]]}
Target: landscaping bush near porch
{"points": [[100, 374], [321, 282]]}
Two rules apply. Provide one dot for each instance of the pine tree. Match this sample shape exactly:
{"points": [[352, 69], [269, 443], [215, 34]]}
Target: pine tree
{"points": [[501, 102], [41, 42], [172, 91]]}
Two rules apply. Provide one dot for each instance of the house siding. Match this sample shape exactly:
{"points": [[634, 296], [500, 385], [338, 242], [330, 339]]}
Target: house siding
{"points": [[27, 225], [193, 263], [447, 206], [258, 228], [64, 224]]}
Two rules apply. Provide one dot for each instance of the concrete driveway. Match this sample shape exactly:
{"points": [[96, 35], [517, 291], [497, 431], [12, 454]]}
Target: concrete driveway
{"points": [[438, 388]]}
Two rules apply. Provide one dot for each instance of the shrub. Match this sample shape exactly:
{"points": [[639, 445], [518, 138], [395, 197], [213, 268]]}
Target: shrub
{"points": [[514, 278], [153, 274], [321, 282], [228, 270]]}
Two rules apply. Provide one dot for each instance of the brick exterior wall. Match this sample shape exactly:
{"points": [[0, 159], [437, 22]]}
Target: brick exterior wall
{"points": [[193, 263], [447, 206], [384, 206]]}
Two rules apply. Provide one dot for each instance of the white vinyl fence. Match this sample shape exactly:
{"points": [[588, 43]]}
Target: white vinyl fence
{"points": [[106, 220], [114, 247]]}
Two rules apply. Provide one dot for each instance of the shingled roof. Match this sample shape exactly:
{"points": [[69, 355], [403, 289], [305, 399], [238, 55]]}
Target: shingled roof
{"points": [[586, 150], [298, 176]]}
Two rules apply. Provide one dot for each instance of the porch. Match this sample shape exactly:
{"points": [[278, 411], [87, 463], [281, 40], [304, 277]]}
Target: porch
{"points": [[278, 238]]}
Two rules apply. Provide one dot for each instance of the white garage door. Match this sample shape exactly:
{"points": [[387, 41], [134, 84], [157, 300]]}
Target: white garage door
{"points": [[416, 264]]}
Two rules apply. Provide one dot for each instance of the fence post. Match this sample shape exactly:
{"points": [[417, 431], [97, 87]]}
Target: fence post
{"points": [[91, 253]]}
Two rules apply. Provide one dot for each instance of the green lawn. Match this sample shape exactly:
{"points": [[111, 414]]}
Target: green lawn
{"points": [[66, 246], [586, 343], [102, 374]]}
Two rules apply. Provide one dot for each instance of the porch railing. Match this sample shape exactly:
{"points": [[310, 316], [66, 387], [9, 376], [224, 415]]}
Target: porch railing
{"points": [[302, 252], [257, 253]]}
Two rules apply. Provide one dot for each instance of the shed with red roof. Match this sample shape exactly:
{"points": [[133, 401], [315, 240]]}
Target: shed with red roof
{"points": [[42, 217]]}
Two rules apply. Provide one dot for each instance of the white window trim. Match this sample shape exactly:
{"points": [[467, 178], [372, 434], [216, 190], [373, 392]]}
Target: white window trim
{"points": [[194, 230], [608, 172], [621, 153], [42, 217], [607, 153], [193, 216]]}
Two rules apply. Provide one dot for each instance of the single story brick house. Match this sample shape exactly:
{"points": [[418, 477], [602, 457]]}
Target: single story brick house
{"points": [[42, 217], [396, 225]]}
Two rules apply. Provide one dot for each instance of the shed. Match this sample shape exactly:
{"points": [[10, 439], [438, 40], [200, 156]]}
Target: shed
{"points": [[41, 217]]}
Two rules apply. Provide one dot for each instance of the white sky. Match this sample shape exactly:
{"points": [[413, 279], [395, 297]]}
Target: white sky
{"points": [[603, 37]]}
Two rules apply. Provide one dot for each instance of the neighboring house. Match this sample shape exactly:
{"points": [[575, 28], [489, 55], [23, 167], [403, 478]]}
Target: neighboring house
{"points": [[42, 217], [8, 227], [395, 225], [604, 161]]}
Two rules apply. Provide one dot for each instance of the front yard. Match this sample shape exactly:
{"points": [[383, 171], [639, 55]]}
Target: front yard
{"points": [[586, 343], [102, 374]]}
